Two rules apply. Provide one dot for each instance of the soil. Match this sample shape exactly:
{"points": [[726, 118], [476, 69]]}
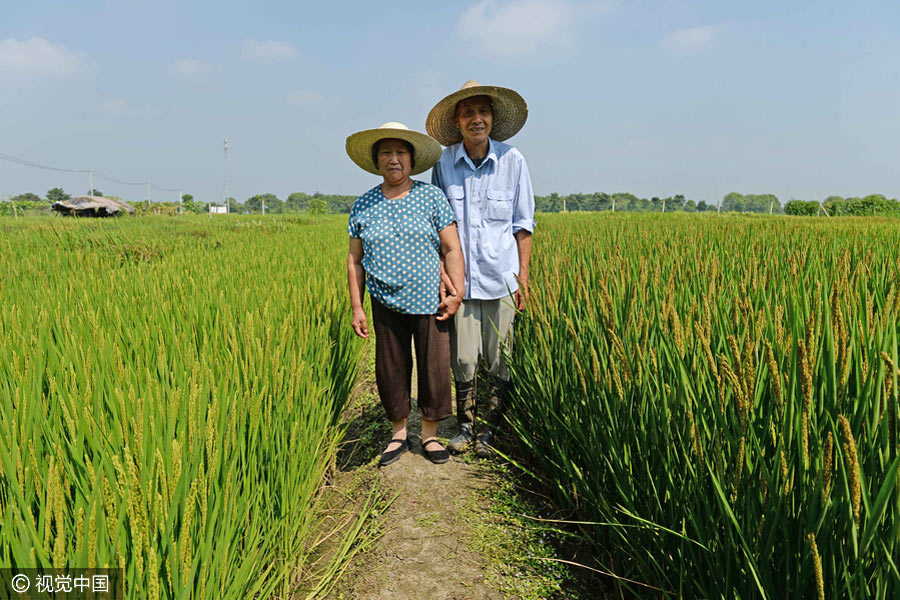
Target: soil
{"points": [[445, 530], [422, 552]]}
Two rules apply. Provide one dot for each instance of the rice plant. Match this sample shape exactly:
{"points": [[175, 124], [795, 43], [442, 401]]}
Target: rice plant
{"points": [[719, 397], [170, 393]]}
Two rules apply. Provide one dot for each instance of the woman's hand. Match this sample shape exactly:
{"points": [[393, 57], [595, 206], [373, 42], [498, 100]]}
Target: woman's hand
{"points": [[448, 307], [359, 323], [452, 266]]}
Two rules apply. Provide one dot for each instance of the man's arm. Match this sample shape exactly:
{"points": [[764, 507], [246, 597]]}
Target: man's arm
{"points": [[523, 245], [523, 226], [356, 278], [455, 269]]}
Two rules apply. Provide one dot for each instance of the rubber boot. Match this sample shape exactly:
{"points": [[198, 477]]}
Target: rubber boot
{"points": [[493, 415], [465, 416]]}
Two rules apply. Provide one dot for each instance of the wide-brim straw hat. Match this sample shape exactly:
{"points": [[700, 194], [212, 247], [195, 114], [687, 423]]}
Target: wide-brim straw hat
{"points": [[359, 146], [510, 113]]}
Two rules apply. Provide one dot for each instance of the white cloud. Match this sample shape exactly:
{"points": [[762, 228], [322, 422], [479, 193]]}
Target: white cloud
{"points": [[268, 51], [39, 58], [521, 28], [692, 39], [192, 70]]}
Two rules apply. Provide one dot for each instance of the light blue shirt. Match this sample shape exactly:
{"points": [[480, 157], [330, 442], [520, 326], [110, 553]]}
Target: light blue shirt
{"points": [[401, 245], [491, 203]]}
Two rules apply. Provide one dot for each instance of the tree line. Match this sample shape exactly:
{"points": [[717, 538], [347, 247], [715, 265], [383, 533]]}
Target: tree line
{"points": [[628, 202], [318, 203]]}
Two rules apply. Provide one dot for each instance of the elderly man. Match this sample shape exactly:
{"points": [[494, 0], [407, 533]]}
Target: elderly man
{"points": [[489, 188]]}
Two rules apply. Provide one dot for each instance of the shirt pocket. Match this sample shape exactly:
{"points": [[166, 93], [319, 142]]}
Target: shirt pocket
{"points": [[455, 192], [499, 205]]}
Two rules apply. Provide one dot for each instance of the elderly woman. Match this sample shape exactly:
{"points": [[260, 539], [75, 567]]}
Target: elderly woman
{"points": [[398, 231]]}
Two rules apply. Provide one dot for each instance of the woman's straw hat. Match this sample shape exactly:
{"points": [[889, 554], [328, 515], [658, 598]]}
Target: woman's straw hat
{"points": [[359, 146], [510, 113]]}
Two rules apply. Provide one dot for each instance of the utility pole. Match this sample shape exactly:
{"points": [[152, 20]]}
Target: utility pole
{"points": [[227, 192], [771, 205], [613, 203], [91, 193], [148, 195], [262, 204], [821, 206], [564, 203], [180, 202], [664, 205]]}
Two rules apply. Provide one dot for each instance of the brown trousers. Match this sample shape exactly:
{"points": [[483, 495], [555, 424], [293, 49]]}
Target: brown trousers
{"points": [[393, 362]]}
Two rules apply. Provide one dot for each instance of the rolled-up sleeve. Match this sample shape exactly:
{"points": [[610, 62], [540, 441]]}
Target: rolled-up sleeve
{"points": [[523, 205]]}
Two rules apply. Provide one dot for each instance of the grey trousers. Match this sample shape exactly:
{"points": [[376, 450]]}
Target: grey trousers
{"points": [[479, 329]]}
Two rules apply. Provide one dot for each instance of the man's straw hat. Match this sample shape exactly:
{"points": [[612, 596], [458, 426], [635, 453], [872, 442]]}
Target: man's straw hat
{"points": [[359, 146], [510, 113]]}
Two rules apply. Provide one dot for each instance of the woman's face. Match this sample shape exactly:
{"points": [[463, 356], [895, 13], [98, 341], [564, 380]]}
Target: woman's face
{"points": [[394, 161]]}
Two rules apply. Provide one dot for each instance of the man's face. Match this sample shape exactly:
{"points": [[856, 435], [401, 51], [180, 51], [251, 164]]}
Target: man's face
{"points": [[394, 160], [475, 116]]}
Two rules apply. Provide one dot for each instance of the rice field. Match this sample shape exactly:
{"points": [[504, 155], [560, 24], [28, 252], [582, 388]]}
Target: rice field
{"points": [[170, 393], [717, 395], [718, 400]]}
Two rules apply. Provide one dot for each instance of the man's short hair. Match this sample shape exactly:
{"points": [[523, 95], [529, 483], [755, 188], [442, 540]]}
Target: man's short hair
{"points": [[410, 147]]}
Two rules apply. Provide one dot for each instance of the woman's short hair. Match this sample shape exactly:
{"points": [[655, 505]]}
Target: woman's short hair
{"points": [[412, 152]]}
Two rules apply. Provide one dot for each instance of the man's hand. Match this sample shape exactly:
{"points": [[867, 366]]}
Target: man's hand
{"points": [[522, 295], [359, 323], [448, 306]]}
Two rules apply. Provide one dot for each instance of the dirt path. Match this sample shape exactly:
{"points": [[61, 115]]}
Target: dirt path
{"points": [[455, 531], [424, 550]]}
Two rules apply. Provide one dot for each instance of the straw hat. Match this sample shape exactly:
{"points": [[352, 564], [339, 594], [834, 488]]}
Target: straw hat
{"points": [[359, 146], [510, 113]]}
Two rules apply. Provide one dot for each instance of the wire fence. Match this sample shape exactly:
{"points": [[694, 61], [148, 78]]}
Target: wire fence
{"points": [[92, 174]]}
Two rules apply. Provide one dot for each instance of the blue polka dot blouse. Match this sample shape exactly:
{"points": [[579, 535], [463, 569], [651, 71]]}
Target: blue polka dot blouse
{"points": [[401, 246]]}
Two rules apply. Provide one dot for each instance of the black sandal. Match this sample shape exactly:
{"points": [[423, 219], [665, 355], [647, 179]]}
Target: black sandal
{"points": [[438, 457], [391, 456]]}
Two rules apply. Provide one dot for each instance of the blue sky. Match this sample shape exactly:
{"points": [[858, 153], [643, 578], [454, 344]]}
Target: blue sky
{"points": [[701, 98]]}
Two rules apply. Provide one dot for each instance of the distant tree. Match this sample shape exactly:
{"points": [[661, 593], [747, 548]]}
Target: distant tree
{"points": [[733, 201], [340, 204], [255, 203], [802, 208], [765, 203], [702, 206], [187, 198], [26, 197], [317, 205], [296, 202], [57, 195], [691, 206], [95, 192]]}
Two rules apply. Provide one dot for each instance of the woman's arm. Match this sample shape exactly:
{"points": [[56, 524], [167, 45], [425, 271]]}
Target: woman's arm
{"points": [[456, 269], [356, 277]]}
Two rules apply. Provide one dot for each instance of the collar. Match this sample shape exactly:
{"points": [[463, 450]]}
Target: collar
{"points": [[461, 154]]}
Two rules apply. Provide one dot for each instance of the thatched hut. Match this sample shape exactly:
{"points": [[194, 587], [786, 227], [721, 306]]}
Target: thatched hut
{"points": [[92, 206]]}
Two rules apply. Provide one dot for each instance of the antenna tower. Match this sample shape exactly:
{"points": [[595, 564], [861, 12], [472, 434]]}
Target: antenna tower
{"points": [[227, 192]]}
